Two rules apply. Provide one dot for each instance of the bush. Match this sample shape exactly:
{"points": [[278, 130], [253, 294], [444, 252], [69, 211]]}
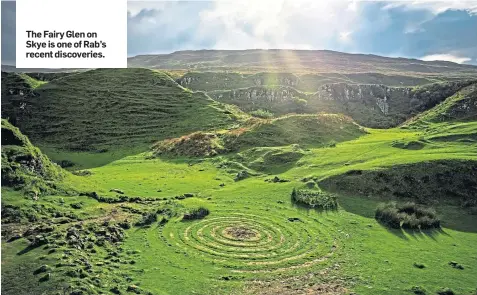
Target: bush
{"points": [[147, 219], [264, 114], [418, 290], [445, 291], [314, 198], [66, 163], [407, 215], [196, 213]]}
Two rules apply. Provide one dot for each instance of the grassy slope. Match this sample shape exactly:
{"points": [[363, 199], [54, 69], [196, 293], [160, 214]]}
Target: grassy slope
{"points": [[462, 106], [306, 130], [365, 250], [297, 61], [346, 251], [114, 110]]}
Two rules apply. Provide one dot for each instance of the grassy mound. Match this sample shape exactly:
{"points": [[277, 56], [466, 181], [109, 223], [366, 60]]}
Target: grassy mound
{"points": [[451, 181], [271, 159], [25, 167], [315, 198], [197, 144], [407, 215], [308, 130], [108, 108], [408, 145]]}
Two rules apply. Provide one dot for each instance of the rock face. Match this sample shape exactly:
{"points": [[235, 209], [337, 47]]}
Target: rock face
{"points": [[372, 105], [254, 94]]}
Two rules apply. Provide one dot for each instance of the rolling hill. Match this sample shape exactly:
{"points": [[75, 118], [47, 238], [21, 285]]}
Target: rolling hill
{"points": [[103, 109], [241, 173], [297, 61]]}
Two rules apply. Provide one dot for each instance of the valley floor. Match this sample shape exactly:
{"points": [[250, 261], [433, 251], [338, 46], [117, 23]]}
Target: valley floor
{"points": [[255, 239]]}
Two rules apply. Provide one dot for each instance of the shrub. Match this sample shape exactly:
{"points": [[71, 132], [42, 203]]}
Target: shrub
{"points": [[418, 290], [407, 215], [196, 213], [147, 219], [66, 163], [241, 175], [264, 114], [331, 144], [314, 198], [445, 291]]}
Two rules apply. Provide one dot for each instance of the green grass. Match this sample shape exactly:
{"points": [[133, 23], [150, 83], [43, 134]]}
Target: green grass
{"points": [[459, 107], [306, 130], [108, 110], [214, 261], [255, 238]]}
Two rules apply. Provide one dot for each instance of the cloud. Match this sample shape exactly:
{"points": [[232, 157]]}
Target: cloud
{"points": [[345, 36], [392, 28], [436, 7], [277, 23], [446, 57]]}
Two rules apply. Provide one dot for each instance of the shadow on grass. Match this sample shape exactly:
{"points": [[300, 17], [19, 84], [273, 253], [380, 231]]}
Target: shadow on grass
{"points": [[398, 232], [28, 249], [90, 159], [429, 233], [404, 233], [305, 208]]}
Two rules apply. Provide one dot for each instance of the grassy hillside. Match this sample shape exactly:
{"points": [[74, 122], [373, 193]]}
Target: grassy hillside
{"points": [[255, 240], [297, 61], [307, 130], [25, 167], [103, 110], [171, 192], [461, 107]]}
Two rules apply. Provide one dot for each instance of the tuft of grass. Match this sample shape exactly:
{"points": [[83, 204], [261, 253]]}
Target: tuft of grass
{"points": [[196, 213], [315, 198], [197, 144], [407, 215], [264, 114], [418, 290], [445, 291]]}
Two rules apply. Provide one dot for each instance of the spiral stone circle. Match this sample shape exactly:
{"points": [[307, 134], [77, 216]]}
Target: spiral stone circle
{"points": [[248, 242]]}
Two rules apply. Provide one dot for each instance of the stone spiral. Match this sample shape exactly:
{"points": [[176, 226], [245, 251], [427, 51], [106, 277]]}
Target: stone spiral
{"points": [[253, 243]]}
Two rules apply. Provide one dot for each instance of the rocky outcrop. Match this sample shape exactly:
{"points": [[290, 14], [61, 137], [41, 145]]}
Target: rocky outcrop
{"points": [[252, 94], [380, 95], [368, 104], [25, 167]]}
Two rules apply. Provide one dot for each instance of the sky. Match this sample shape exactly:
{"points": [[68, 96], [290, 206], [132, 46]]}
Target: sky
{"points": [[428, 30]]}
